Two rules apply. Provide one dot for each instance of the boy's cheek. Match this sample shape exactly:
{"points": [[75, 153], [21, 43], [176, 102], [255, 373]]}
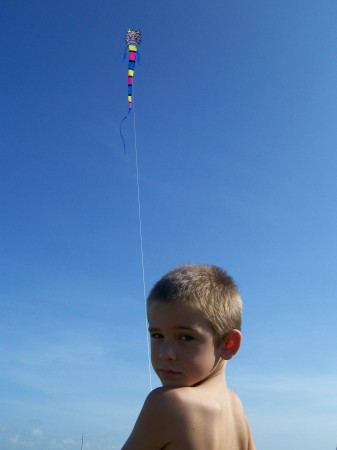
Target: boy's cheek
{"points": [[154, 349]]}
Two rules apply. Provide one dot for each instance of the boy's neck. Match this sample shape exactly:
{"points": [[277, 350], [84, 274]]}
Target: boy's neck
{"points": [[217, 376]]}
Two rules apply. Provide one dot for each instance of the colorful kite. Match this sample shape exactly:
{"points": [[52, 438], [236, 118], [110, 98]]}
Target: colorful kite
{"points": [[133, 38]]}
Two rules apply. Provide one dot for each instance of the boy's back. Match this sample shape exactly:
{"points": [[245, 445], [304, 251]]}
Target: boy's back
{"points": [[205, 417]]}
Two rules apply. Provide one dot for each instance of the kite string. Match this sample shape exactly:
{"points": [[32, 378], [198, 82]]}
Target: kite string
{"points": [[141, 239]]}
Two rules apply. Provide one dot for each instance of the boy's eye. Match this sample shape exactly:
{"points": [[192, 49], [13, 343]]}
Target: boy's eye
{"points": [[186, 338], [156, 335]]}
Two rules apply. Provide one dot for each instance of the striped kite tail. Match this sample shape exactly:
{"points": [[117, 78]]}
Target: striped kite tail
{"points": [[131, 70]]}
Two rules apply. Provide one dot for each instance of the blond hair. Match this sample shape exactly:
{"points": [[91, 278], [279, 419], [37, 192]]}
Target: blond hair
{"points": [[208, 289]]}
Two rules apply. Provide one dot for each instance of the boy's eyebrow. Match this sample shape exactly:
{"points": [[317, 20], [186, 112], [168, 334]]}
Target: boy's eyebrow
{"points": [[185, 327], [178, 327]]}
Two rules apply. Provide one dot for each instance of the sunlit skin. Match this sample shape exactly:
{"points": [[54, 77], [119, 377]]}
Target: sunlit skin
{"points": [[183, 348], [194, 410]]}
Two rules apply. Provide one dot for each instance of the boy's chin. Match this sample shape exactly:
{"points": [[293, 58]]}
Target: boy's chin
{"points": [[178, 383], [172, 384]]}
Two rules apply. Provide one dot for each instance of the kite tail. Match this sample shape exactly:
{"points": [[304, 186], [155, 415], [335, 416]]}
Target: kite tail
{"points": [[120, 129], [131, 70]]}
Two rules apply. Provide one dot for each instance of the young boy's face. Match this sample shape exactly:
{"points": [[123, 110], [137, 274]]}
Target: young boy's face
{"points": [[183, 350]]}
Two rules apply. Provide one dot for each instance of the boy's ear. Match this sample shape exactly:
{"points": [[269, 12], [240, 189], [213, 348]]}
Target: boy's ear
{"points": [[230, 344]]}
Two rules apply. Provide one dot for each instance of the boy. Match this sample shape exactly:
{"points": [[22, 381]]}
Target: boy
{"points": [[194, 315]]}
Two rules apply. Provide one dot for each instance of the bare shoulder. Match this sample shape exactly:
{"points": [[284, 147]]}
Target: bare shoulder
{"points": [[235, 401], [170, 399], [175, 400], [179, 418], [157, 422]]}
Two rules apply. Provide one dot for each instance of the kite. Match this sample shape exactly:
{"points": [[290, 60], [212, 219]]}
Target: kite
{"points": [[133, 38]]}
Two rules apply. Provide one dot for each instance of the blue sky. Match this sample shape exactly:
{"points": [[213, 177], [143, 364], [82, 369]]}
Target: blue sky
{"points": [[236, 110]]}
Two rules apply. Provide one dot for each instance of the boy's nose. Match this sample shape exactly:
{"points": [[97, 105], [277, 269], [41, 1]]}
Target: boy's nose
{"points": [[167, 352]]}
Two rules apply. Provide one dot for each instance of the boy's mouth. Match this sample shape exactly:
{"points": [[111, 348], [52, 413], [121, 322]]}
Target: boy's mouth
{"points": [[168, 372]]}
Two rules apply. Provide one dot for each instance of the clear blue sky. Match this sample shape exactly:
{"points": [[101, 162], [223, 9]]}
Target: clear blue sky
{"points": [[236, 112]]}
